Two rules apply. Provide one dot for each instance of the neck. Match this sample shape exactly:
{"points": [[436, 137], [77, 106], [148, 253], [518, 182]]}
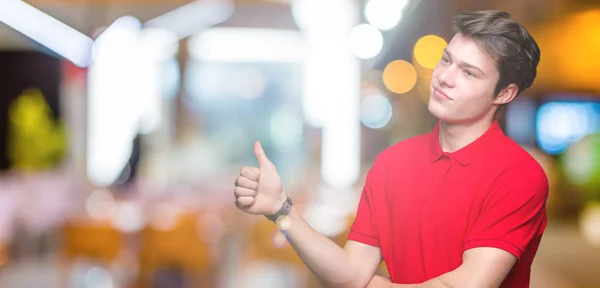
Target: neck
{"points": [[454, 137]]}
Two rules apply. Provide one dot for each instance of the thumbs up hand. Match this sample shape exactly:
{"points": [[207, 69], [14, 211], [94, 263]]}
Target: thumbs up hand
{"points": [[259, 191]]}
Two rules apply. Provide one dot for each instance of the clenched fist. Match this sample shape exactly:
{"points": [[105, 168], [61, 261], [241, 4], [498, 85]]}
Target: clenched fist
{"points": [[259, 191]]}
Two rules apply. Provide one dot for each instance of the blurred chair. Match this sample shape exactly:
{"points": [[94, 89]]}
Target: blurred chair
{"points": [[178, 248], [95, 240], [92, 240]]}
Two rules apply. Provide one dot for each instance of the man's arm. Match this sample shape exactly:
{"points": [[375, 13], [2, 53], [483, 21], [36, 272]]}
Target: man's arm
{"points": [[481, 268], [259, 191], [351, 266]]}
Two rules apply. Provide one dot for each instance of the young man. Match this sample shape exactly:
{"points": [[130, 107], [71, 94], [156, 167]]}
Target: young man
{"points": [[462, 206]]}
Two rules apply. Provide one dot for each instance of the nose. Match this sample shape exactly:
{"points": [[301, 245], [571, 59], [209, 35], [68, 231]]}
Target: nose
{"points": [[446, 77]]}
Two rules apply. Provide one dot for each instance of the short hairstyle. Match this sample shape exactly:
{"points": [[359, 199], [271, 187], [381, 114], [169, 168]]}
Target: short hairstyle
{"points": [[515, 51]]}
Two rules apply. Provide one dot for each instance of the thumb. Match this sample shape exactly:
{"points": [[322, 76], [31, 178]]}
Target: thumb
{"points": [[260, 154]]}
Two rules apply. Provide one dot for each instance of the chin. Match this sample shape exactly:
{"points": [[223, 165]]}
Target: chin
{"points": [[440, 112], [435, 108]]}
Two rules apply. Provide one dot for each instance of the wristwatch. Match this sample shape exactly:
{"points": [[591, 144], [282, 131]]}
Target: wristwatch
{"points": [[285, 209]]}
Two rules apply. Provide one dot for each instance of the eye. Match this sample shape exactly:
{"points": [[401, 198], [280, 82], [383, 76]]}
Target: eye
{"points": [[470, 74], [445, 60]]}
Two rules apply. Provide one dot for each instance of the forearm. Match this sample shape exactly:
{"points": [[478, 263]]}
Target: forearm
{"points": [[385, 282], [434, 283], [448, 280], [328, 261], [428, 284]]}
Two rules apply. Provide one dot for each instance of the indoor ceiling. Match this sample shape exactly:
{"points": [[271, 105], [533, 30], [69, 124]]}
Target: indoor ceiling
{"points": [[425, 17], [87, 16]]}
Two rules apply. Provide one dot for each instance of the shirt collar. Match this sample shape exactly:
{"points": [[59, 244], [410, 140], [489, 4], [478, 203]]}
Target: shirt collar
{"points": [[471, 152]]}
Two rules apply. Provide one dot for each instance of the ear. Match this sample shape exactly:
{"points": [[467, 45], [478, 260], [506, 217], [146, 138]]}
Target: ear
{"points": [[507, 94]]}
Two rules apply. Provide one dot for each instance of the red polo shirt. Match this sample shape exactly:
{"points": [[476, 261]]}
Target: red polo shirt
{"points": [[424, 207]]}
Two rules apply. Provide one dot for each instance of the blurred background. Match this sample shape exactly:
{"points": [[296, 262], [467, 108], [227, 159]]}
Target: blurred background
{"points": [[123, 125]]}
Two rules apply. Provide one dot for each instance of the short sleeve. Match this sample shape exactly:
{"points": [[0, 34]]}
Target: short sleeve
{"points": [[364, 228], [513, 213]]}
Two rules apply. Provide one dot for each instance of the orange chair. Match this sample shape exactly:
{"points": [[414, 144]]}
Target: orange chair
{"points": [[181, 247], [95, 240]]}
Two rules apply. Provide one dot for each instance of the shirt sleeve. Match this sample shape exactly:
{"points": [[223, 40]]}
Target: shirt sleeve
{"points": [[514, 212], [364, 228]]}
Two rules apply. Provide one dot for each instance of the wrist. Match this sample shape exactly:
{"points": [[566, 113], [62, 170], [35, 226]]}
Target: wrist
{"points": [[281, 201], [282, 198], [283, 208]]}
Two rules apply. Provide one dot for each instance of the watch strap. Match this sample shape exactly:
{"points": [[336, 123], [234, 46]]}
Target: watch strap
{"points": [[285, 209]]}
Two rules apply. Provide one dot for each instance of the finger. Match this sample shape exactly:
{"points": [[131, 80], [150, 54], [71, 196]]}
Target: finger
{"points": [[244, 192], [244, 202], [260, 155], [246, 183], [251, 173]]}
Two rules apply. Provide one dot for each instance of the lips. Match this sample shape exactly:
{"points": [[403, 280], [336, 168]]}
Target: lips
{"points": [[438, 93]]}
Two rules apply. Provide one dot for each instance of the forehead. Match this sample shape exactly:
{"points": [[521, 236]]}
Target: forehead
{"points": [[468, 50]]}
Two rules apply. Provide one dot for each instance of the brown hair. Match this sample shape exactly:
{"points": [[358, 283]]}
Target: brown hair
{"points": [[516, 53]]}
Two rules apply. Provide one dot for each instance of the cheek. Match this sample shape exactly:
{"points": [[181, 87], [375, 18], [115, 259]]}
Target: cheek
{"points": [[475, 94], [470, 87]]}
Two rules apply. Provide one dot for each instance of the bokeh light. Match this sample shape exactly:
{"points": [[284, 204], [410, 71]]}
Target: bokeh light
{"points": [[581, 163], [100, 204], [283, 223], [128, 217], [560, 123], [429, 50], [384, 14], [279, 240], [98, 277], [589, 222], [399, 76], [375, 111], [365, 41]]}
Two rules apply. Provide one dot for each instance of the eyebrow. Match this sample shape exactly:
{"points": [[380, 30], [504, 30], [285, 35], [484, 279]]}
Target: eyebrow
{"points": [[464, 64]]}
